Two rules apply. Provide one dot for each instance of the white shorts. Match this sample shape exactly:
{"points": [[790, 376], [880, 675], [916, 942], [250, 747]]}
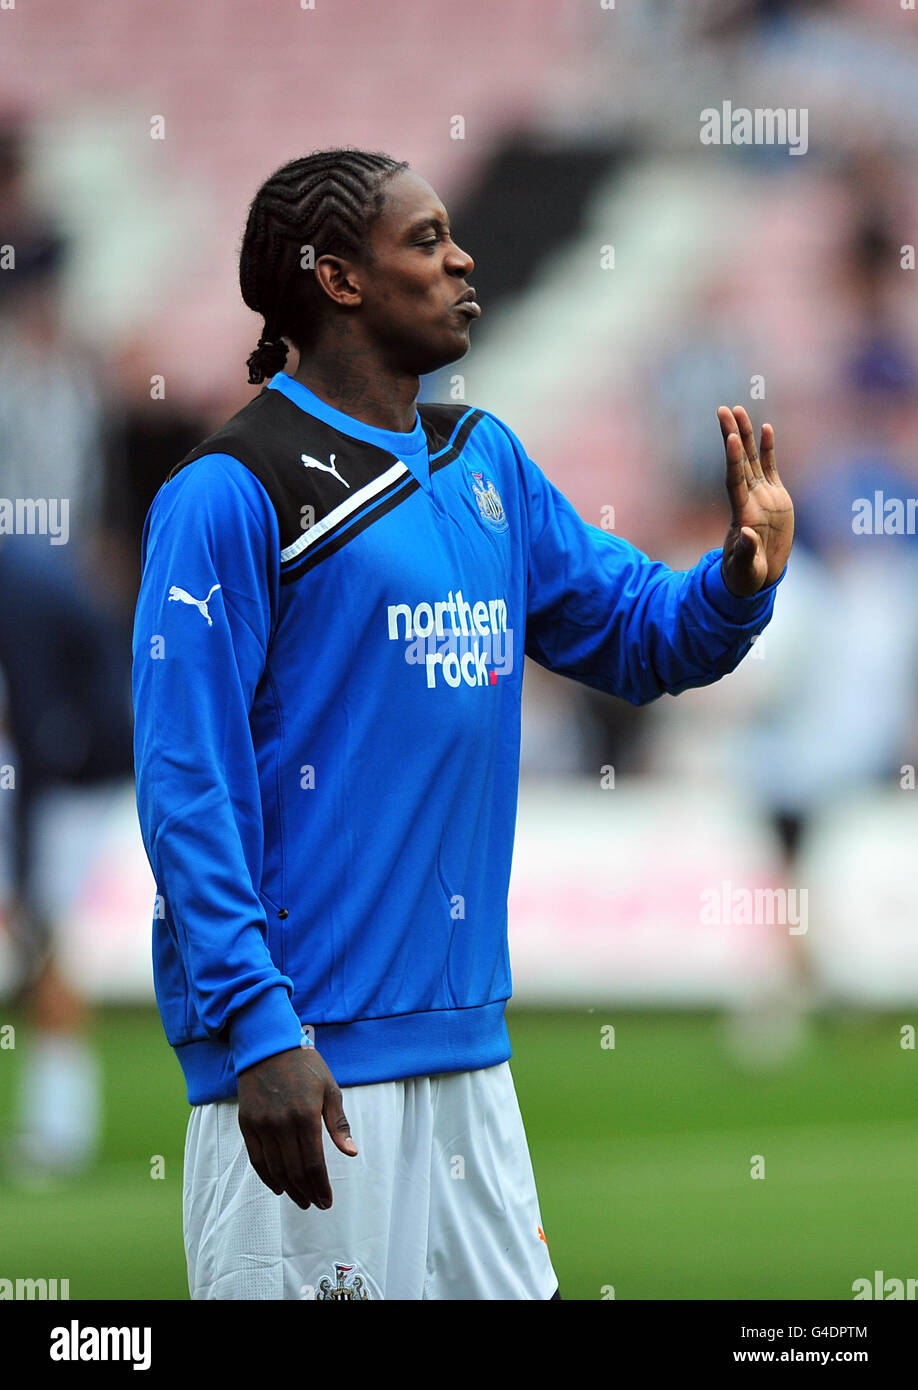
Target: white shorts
{"points": [[439, 1203]]}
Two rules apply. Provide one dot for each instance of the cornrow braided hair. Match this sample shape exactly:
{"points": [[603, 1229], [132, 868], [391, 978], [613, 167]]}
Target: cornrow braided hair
{"points": [[328, 201]]}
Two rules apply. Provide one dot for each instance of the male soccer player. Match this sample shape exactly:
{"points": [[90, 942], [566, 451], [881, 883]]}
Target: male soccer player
{"points": [[338, 591]]}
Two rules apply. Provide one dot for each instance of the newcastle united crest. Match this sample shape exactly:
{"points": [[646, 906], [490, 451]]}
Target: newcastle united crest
{"points": [[490, 505], [347, 1284]]}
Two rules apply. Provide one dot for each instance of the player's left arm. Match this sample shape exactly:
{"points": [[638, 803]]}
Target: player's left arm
{"points": [[600, 611]]}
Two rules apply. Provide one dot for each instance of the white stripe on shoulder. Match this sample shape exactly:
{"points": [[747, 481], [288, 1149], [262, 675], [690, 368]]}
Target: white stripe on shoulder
{"points": [[316, 532]]}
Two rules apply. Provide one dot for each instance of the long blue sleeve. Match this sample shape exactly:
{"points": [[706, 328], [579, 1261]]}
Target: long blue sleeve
{"points": [[600, 611], [203, 621]]}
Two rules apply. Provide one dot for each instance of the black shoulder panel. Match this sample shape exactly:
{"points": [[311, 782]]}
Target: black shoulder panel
{"points": [[307, 467], [447, 428], [326, 487], [439, 422], [237, 427]]}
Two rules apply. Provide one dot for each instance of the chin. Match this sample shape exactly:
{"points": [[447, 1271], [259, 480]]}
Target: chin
{"points": [[433, 361]]}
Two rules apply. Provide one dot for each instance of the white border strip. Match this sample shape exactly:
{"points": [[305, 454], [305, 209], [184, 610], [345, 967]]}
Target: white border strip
{"points": [[316, 532]]}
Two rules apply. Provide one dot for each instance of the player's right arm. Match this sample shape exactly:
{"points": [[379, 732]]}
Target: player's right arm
{"points": [[205, 613]]}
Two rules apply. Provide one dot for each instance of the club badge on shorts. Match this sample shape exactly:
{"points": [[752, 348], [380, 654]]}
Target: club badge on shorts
{"points": [[347, 1284], [490, 506]]}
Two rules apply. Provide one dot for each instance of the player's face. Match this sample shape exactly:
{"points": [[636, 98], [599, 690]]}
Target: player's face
{"points": [[410, 290]]}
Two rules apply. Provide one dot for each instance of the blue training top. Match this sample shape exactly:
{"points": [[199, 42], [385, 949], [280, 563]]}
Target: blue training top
{"points": [[328, 663]]}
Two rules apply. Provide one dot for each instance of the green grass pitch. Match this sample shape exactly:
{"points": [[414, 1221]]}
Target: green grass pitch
{"points": [[642, 1155]]}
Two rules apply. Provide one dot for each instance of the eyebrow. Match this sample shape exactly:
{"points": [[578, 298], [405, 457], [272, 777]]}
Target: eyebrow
{"points": [[436, 222]]}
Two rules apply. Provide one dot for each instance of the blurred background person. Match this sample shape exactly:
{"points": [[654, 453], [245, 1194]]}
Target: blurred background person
{"points": [[66, 701]]}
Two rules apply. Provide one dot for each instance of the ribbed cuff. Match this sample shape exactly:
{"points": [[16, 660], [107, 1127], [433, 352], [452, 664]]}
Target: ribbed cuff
{"points": [[733, 606], [264, 1027]]}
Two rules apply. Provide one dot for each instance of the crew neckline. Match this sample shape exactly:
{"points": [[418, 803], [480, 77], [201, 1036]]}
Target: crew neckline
{"points": [[395, 441]]}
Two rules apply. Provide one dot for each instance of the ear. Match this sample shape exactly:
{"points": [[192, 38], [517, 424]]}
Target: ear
{"points": [[339, 279]]}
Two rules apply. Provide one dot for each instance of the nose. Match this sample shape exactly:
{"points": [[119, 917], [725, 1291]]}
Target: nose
{"points": [[460, 262]]}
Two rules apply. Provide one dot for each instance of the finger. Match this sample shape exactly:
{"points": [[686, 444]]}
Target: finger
{"points": [[729, 427], [257, 1158], [336, 1121], [769, 464], [298, 1180], [312, 1158], [747, 435], [273, 1175], [737, 473]]}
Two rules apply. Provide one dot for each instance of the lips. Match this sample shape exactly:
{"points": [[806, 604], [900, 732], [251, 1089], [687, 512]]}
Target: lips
{"points": [[468, 304]]}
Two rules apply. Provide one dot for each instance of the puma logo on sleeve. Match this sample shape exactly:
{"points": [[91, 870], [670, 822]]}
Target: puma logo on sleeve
{"points": [[177, 595]]}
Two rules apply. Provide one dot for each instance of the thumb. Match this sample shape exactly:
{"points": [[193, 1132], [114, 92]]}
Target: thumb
{"points": [[336, 1122], [746, 548]]}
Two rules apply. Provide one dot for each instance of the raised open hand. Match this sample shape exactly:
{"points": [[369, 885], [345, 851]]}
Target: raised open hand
{"points": [[762, 521]]}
